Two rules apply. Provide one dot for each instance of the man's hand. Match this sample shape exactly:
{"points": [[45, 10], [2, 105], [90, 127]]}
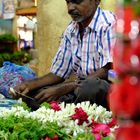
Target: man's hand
{"points": [[101, 73], [48, 95], [23, 88], [55, 92]]}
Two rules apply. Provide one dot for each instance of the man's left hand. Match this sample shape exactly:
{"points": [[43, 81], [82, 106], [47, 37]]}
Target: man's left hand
{"points": [[48, 95]]}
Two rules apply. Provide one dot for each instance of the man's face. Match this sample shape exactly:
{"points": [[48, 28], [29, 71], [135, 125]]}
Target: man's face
{"points": [[81, 10]]}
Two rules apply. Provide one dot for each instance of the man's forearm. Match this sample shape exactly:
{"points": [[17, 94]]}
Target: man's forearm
{"points": [[47, 80], [65, 87], [102, 72]]}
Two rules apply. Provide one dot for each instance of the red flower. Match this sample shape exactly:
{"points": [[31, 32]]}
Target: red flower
{"points": [[127, 58], [81, 115], [55, 106], [100, 129], [47, 138], [130, 132], [112, 123], [125, 97], [54, 138]]}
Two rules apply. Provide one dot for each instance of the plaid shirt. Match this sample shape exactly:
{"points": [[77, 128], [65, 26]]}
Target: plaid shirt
{"points": [[89, 54]]}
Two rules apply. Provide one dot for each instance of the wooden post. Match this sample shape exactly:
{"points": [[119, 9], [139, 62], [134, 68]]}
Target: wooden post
{"points": [[52, 19]]}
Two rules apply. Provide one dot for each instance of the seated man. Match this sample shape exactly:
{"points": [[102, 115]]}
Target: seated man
{"points": [[85, 50]]}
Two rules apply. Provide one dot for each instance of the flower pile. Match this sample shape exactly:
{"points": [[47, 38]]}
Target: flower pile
{"points": [[57, 121]]}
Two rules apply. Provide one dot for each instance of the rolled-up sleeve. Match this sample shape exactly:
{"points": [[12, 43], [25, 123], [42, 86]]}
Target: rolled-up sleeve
{"points": [[61, 65], [108, 43]]}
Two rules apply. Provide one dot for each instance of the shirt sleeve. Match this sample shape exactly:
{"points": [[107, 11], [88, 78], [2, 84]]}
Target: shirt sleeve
{"points": [[108, 43], [61, 65]]}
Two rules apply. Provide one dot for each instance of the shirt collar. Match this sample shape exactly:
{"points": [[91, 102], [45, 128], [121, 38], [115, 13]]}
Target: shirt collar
{"points": [[93, 24], [95, 20]]}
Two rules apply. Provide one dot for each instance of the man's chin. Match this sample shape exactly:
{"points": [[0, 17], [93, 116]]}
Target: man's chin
{"points": [[77, 19]]}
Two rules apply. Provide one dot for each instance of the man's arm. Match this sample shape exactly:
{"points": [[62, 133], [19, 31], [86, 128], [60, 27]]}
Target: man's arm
{"points": [[108, 41], [55, 92], [47, 80], [102, 72]]}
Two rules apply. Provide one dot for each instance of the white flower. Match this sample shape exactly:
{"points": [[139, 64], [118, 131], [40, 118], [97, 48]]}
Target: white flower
{"points": [[63, 117]]}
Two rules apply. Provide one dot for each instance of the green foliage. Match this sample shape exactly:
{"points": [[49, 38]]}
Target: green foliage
{"points": [[84, 136], [7, 37], [8, 43], [137, 9], [47, 105], [134, 4], [13, 127], [108, 138], [127, 1], [20, 128], [20, 57], [24, 105]]}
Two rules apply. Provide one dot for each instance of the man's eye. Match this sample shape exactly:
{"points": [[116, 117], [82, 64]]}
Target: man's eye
{"points": [[78, 1], [67, 1], [74, 1]]}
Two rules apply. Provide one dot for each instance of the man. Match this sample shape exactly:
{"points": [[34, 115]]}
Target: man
{"points": [[85, 50]]}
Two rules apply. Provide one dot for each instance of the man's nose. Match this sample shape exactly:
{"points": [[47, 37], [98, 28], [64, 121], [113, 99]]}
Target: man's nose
{"points": [[71, 6]]}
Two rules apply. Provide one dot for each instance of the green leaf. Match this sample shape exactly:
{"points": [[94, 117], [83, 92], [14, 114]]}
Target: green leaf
{"points": [[84, 136], [8, 37], [47, 105], [108, 138], [24, 105], [13, 136]]}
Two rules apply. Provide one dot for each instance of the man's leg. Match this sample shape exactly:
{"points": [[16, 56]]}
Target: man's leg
{"points": [[94, 90]]}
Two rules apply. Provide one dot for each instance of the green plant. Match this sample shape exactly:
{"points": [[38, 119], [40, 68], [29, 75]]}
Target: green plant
{"points": [[4, 57], [20, 57], [22, 128], [137, 9], [8, 43], [47, 123], [127, 1], [7, 37], [135, 5]]}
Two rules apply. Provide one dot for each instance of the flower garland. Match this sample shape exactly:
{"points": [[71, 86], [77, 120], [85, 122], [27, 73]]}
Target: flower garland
{"points": [[62, 121]]}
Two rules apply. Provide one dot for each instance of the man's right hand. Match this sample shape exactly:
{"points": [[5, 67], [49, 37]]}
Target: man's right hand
{"points": [[27, 86], [22, 88]]}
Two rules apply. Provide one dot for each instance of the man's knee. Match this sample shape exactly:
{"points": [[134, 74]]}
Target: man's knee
{"points": [[94, 90]]}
